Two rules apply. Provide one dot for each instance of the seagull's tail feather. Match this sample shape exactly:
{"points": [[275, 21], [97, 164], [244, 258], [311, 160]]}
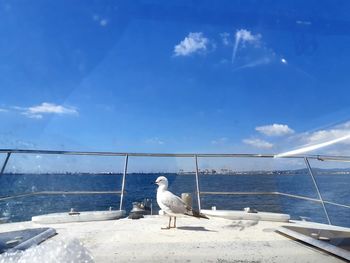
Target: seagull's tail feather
{"points": [[195, 213]]}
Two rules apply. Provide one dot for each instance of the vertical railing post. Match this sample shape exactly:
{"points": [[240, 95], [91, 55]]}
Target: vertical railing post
{"points": [[5, 163], [317, 189], [123, 181], [197, 184]]}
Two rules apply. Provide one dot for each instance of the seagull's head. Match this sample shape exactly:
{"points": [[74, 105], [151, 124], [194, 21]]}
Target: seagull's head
{"points": [[162, 182]]}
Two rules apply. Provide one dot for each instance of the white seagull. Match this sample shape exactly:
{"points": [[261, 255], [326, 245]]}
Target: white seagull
{"points": [[171, 204]]}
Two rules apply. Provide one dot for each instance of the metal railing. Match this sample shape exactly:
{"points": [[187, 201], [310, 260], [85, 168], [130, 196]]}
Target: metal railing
{"points": [[59, 193], [195, 156]]}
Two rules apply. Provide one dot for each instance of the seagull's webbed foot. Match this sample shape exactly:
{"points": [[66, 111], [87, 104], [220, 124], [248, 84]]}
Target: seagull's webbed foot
{"points": [[167, 227]]}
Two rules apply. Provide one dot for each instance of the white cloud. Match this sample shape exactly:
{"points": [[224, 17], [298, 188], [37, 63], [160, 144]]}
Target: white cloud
{"points": [[304, 23], [244, 36], [225, 37], [3, 110], [333, 139], [18, 108], [316, 146], [103, 22], [326, 135], [193, 43], [339, 131], [221, 140], [275, 130], [46, 107], [155, 140], [258, 143], [37, 112], [32, 116]]}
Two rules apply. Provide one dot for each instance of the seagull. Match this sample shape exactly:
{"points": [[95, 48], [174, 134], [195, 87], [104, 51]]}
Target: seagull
{"points": [[171, 204]]}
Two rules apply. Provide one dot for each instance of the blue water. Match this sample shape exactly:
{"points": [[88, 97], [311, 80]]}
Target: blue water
{"points": [[139, 186]]}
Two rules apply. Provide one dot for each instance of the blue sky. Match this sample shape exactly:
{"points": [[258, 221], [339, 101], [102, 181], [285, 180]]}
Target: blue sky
{"points": [[150, 76]]}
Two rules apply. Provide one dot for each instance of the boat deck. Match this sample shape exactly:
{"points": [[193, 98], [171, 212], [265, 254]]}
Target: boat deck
{"points": [[195, 240]]}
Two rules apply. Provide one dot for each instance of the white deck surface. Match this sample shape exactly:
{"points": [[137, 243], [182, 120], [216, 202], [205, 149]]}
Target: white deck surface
{"points": [[195, 240]]}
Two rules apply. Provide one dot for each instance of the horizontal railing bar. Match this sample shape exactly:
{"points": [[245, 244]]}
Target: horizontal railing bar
{"points": [[77, 192], [336, 204], [238, 193], [262, 193], [16, 196], [241, 155], [20, 151], [59, 193], [333, 158], [301, 197], [275, 193]]}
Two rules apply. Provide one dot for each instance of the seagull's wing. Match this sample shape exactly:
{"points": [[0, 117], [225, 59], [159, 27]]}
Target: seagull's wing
{"points": [[173, 203]]}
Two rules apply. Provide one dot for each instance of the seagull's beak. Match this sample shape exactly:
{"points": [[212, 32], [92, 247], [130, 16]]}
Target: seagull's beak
{"points": [[155, 183]]}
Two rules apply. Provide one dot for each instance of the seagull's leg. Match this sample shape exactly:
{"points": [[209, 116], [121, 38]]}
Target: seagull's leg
{"points": [[168, 227], [174, 225]]}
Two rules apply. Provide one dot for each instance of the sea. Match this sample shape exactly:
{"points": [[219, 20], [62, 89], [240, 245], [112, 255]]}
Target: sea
{"points": [[138, 187]]}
